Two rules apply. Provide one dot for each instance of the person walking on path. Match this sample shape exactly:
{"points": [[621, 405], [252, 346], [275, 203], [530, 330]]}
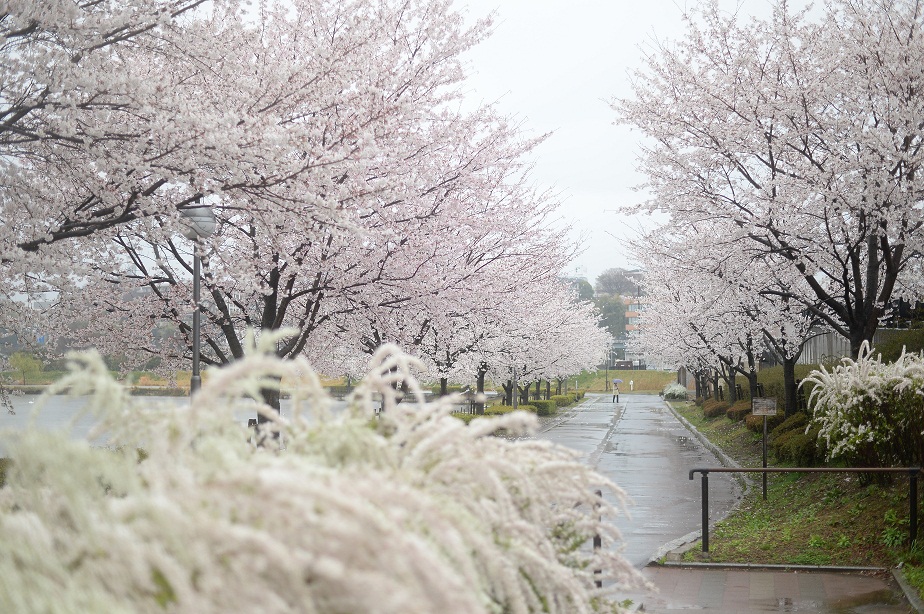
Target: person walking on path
{"points": [[615, 392]]}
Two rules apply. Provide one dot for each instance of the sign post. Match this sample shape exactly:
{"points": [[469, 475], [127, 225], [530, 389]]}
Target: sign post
{"points": [[764, 407]]}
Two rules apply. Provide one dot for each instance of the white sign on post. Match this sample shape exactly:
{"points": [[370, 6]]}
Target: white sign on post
{"points": [[763, 407]]}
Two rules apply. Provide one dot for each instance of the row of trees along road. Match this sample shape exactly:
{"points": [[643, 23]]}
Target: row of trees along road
{"points": [[787, 151], [357, 201]]}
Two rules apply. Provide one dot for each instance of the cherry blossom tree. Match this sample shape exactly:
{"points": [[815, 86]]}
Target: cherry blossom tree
{"points": [[425, 211], [138, 108], [748, 296], [804, 136]]}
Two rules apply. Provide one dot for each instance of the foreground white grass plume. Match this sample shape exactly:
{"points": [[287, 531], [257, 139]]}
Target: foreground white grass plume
{"points": [[409, 512]]}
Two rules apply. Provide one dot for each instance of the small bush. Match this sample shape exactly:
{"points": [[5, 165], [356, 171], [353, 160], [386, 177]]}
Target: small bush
{"points": [[675, 392], [756, 423], [563, 400], [494, 410], [738, 411], [545, 408], [796, 421], [714, 409], [870, 412], [799, 447], [498, 410]]}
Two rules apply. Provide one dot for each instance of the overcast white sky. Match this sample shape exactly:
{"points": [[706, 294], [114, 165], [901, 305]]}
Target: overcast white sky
{"points": [[553, 64]]}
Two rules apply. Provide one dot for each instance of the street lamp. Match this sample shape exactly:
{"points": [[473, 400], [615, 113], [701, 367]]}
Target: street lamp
{"points": [[199, 223]]}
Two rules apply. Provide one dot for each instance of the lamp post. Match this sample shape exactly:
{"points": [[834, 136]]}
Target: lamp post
{"points": [[199, 223]]}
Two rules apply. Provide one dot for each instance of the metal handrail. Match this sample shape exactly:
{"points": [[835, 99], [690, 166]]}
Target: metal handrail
{"points": [[912, 489]]}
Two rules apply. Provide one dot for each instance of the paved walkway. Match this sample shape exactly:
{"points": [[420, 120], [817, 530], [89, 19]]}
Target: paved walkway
{"points": [[738, 591], [742, 590]]}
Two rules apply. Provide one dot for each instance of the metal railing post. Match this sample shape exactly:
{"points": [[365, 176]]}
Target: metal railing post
{"points": [[598, 543]]}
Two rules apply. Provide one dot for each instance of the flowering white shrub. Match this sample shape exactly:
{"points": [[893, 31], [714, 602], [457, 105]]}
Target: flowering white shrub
{"points": [[870, 412], [675, 391], [412, 511]]}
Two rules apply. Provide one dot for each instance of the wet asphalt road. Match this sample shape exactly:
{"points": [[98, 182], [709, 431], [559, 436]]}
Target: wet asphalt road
{"points": [[642, 447]]}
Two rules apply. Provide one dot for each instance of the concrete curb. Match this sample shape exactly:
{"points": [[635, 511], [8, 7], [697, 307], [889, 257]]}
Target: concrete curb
{"points": [[771, 567], [910, 594]]}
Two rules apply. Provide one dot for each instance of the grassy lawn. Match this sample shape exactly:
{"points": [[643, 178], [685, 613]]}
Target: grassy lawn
{"points": [[808, 519], [649, 381]]}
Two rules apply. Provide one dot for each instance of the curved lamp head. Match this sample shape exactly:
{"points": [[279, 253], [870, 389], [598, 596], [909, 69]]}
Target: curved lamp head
{"points": [[198, 222]]}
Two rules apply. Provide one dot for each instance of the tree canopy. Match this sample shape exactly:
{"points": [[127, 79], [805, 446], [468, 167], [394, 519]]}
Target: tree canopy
{"points": [[358, 202], [801, 139]]}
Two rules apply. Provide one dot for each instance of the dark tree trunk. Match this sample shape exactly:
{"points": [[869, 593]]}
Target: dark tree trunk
{"points": [[508, 392], [479, 388], [752, 383], [444, 386], [790, 390], [728, 376], [538, 393], [548, 389], [751, 373], [271, 398]]}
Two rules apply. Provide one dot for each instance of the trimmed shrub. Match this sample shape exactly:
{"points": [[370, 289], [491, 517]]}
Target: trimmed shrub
{"points": [[713, 408], [756, 423], [738, 411], [563, 400], [798, 447], [545, 408], [498, 410], [796, 421]]}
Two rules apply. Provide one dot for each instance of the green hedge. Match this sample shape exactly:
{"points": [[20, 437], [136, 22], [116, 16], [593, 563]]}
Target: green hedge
{"points": [[563, 400], [499, 410], [756, 423], [799, 447], [790, 443], [713, 408], [796, 421], [738, 411], [545, 408]]}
